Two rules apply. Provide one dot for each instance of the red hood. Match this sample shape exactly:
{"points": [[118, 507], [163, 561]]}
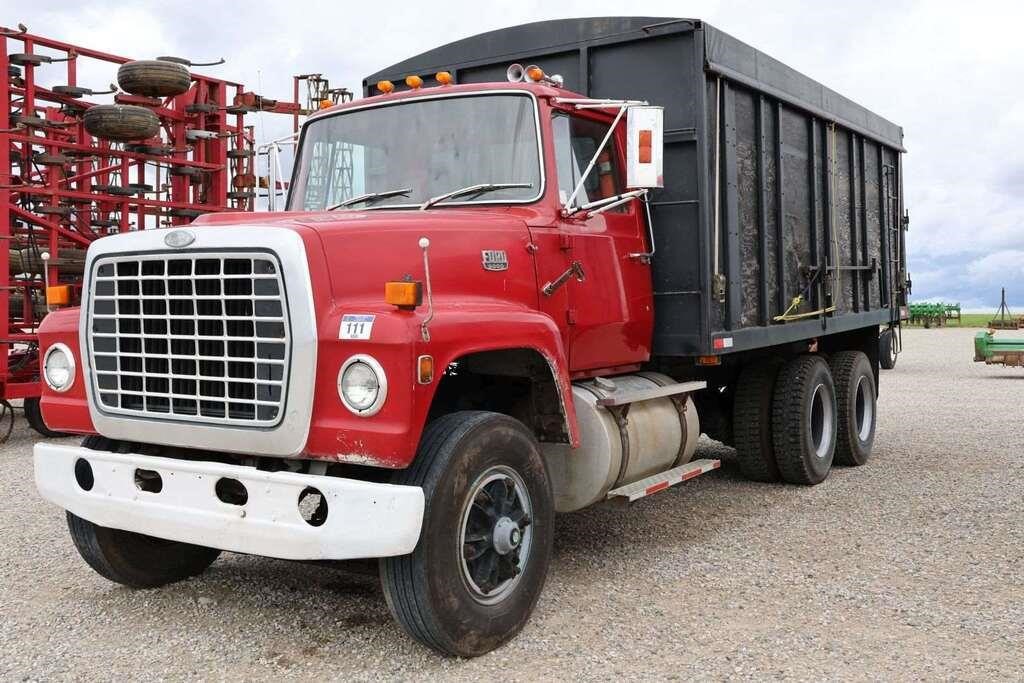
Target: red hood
{"points": [[365, 249]]}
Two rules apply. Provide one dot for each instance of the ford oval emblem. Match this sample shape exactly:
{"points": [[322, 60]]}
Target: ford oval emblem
{"points": [[176, 239]]}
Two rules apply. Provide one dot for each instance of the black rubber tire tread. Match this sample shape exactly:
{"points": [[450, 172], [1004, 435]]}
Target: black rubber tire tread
{"points": [[847, 367], [403, 578], [201, 108], [789, 429], [34, 417], [121, 122], [71, 90], [153, 78], [189, 171], [132, 559], [752, 421], [886, 358]]}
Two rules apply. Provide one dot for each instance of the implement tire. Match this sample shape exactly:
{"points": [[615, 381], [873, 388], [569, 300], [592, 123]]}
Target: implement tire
{"points": [[752, 421], [153, 78], [804, 420], [856, 396], [121, 122], [479, 567]]}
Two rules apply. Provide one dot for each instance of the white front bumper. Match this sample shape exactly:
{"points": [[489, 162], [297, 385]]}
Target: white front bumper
{"points": [[363, 519]]}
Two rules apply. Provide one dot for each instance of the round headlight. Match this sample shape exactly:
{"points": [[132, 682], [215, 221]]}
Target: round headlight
{"points": [[362, 385], [59, 367]]}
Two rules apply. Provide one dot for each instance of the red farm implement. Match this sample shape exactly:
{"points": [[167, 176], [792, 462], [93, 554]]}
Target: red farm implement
{"points": [[77, 162]]}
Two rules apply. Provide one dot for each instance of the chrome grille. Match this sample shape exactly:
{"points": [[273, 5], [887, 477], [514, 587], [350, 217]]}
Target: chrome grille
{"points": [[201, 337]]}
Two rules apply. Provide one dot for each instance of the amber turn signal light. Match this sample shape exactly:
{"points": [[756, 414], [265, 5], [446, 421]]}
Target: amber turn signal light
{"points": [[403, 294], [709, 360], [444, 78], [58, 296], [425, 369], [385, 86]]}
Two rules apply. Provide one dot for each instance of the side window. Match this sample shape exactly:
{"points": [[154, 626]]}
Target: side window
{"points": [[576, 141]]}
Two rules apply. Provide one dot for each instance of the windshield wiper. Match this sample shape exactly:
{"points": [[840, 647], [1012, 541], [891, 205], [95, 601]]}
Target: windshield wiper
{"points": [[472, 190], [369, 197]]}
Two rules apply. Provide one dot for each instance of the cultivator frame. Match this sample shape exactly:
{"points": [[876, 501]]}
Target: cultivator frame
{"points": [[61, 187], [993, 350]]}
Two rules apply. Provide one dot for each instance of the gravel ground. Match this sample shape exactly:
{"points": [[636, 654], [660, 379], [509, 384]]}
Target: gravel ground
{"points": [[907, 568]]}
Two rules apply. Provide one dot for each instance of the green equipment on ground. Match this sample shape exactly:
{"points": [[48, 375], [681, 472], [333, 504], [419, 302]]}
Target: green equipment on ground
{"points": [[1004, 320], [992, 351], [933, 313]]}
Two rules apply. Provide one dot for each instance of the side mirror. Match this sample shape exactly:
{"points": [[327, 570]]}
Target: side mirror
{"points": [[645, 141]]}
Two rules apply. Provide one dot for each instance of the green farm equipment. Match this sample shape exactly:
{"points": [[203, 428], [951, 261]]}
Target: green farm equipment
{"points": [[1004, 320], [992, 351], [953, 312], [929, 314]]}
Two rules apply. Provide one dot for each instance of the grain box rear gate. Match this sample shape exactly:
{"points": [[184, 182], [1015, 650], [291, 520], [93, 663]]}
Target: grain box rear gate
{"points": [[809, 193]]}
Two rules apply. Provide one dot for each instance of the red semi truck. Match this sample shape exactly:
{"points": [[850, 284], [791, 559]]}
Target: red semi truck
{"points": [[490, 300]]}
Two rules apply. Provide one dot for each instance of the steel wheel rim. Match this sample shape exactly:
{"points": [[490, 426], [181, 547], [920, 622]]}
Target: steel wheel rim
{"points": [[865, 409], [495, 534], [820, 421]]}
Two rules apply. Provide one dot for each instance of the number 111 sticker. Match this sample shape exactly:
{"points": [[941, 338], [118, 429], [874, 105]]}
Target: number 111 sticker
{"points": [[356, 326]]}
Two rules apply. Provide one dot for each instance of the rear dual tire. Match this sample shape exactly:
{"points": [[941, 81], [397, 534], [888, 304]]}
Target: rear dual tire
{"points": [[804, 423], [794, 420]]}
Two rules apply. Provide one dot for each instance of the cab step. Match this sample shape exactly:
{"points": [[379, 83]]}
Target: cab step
{"points": [[662, 480]]}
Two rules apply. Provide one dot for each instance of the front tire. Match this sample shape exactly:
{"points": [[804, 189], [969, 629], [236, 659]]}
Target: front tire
{"points": [[473, 579], [131, 559], [34, 417], [136, 560], [804, 420]]}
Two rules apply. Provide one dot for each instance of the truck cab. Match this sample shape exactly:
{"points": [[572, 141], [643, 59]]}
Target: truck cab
{"points": [[449, 335]]}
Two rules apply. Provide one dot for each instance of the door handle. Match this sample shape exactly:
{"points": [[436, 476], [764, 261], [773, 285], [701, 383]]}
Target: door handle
{"points": [[575, 270]]}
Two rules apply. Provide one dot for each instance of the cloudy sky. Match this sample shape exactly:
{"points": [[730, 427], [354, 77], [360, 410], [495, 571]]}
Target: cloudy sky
{"points": [[952, 79]]}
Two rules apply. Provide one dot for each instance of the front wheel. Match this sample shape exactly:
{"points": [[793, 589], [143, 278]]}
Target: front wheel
{"points": [[132, 559], [136, 560], [473, 579]]}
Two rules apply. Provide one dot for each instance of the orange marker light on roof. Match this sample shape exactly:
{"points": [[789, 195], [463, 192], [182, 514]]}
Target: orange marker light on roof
{"points": [[444, 78], [324, 104], [535, 73], [385, 86], [414, 82]]}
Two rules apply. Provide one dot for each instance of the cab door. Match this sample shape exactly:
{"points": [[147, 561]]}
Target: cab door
{"points": [[610, 307]]}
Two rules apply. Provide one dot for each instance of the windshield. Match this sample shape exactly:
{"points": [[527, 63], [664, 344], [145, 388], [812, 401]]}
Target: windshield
{"points": [[430, 147]]}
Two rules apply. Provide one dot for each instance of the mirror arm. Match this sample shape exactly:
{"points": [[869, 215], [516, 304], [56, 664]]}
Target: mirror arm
{"points": [[593, 160], [646, 257]]}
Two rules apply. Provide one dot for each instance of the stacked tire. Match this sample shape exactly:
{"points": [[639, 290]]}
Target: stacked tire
{"points": [[794, 419], [146, 78]]}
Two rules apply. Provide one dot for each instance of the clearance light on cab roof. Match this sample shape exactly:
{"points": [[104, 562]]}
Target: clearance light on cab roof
{"points": [[324, 104], [444, 78], [404, 294], [414, 82], [385, 86]]}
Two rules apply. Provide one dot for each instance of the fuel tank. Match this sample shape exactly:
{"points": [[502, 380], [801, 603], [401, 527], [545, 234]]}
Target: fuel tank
{"points": [[619, 446]]}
